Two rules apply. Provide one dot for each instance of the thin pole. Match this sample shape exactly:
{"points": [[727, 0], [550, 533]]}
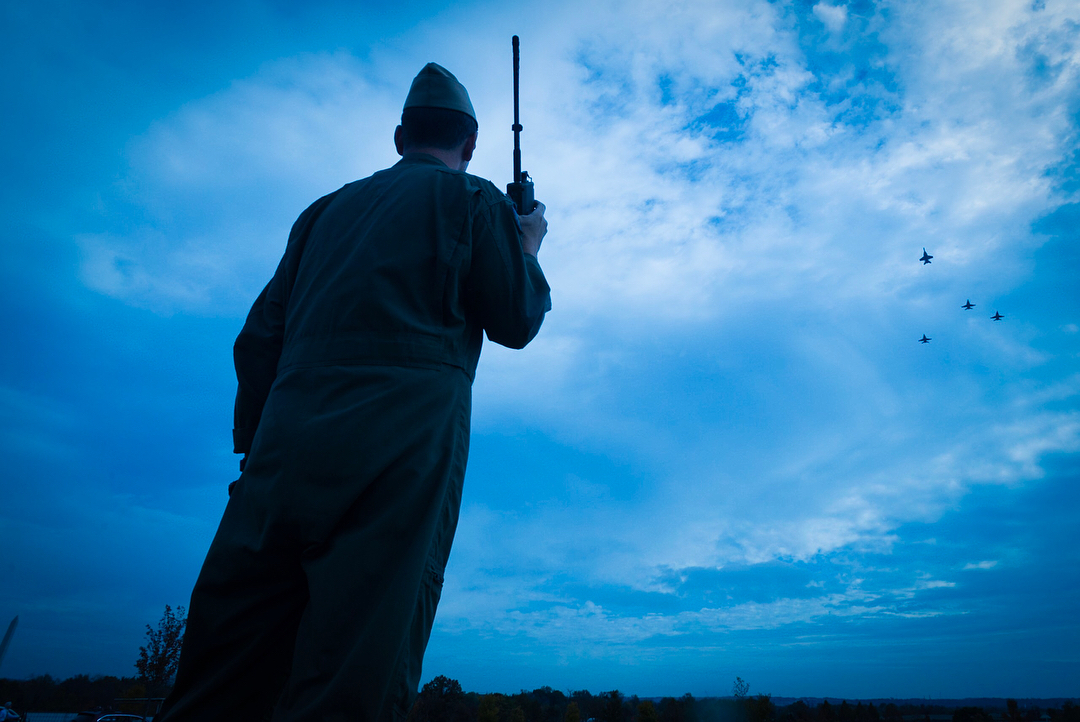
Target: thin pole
{"points": [[7, 637]]}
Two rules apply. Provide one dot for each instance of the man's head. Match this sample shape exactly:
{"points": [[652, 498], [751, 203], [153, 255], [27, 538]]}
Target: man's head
{"points": [[435, 128], [438, 118]]}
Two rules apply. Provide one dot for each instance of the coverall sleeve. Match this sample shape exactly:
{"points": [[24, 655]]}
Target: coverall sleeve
{"points": [[507, 288], [258, 347]]}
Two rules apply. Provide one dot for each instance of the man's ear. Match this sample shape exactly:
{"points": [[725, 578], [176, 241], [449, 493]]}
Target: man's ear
{"points": [[398, 142], [470, 146]]}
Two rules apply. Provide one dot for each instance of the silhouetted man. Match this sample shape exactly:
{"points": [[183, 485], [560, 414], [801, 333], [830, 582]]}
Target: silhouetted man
{"points": [[355, 370]]}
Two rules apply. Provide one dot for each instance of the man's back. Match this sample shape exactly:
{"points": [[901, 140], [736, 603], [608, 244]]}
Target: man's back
{"points": [[407, 266], [384, 291]]}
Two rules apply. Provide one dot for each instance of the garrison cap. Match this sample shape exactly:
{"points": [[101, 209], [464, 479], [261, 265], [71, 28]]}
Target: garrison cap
{"points": [[436, 87]]}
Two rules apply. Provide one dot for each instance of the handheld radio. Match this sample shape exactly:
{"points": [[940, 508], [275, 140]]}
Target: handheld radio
{"points": [[521, 190]]}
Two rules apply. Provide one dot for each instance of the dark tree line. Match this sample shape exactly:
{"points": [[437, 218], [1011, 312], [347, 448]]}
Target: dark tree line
{"points": [[443, 700], [844, 712], [47, 694]]}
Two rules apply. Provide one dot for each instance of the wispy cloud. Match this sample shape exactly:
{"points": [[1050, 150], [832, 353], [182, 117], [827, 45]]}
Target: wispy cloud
{"points": [[989, 564]]}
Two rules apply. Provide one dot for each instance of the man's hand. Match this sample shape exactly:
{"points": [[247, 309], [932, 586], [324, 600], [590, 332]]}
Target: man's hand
{"points": [[533, 229]]}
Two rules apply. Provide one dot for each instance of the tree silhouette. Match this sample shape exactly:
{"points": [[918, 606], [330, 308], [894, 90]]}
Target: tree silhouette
{"points": [[646, 712], [573, 714], [489, 709], [613, 707], [971, 714], [158, 659], [440, 700], [588, 705], [683, 709], [760, 708], [799, 711], [891, 712], [740, 688], [1069, 713]]}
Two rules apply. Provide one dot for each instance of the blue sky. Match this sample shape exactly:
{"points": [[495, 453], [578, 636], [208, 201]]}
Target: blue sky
{"points": [[725, 454]]}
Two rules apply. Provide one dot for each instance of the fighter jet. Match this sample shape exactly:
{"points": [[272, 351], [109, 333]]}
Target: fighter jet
{"points": [[997, 316], [969, 305], [925, 257], [924, 339]]}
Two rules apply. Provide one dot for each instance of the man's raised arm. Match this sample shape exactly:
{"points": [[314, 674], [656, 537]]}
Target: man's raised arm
{"points": [[507, 288]]}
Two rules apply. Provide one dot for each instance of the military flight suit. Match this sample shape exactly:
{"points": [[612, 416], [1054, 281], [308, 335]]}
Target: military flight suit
{"points": [[355, 370]]}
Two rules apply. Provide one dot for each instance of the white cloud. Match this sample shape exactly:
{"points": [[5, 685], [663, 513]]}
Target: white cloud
{"points": [[633, 191], [588, 628], [989, 564], [833, 16], [218, 183]]}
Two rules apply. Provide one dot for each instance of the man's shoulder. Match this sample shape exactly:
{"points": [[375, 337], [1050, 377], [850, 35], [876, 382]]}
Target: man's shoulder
{"points": [[473, 182], [405, 176], [488, 191]]}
